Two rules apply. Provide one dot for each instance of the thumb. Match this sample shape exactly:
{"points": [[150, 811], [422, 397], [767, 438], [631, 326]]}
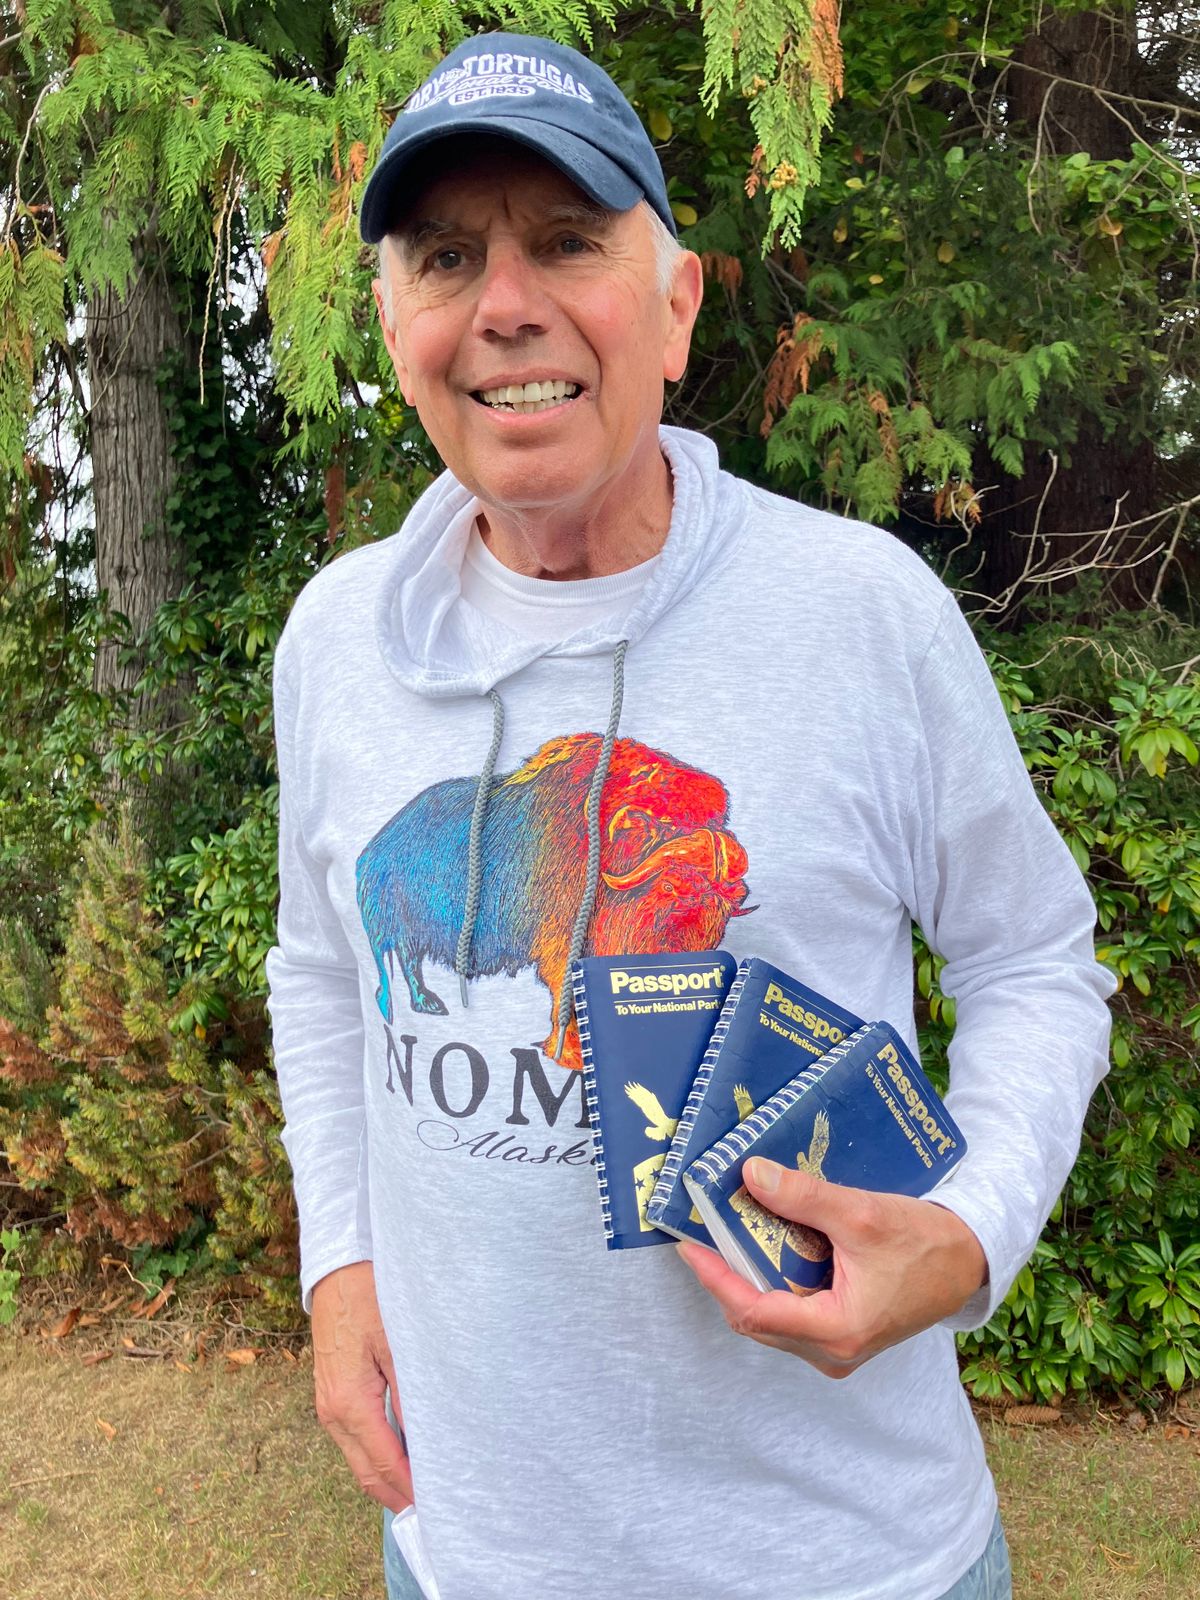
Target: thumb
{"points": [[799, 1197]]}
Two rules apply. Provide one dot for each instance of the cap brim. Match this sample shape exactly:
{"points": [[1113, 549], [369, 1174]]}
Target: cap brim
{"points": [[601, 178]]}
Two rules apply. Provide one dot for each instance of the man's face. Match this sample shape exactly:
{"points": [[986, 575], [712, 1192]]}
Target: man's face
{"points": [[509, 276]]}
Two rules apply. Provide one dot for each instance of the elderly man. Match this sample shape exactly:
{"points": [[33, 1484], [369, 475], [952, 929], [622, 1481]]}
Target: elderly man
{"points": [[598, 695]]}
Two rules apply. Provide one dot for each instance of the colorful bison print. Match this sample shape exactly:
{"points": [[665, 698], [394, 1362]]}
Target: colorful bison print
{"points": [[671, 873]]}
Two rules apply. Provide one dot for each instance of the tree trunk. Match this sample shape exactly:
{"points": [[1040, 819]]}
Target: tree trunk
{"points": [[1045, 531], [1050, 516], [1051, 87], [133, 471]]}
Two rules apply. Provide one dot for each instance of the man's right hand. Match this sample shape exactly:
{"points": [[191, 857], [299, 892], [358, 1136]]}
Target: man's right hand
{"points": [[352, 1365]]}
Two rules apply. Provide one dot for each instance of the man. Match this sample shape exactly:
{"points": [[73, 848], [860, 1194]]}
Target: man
{"points": [[596, 694]]}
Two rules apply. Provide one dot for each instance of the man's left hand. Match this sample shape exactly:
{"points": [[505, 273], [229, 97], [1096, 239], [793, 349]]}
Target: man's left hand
{"points": [[899, 1266]]}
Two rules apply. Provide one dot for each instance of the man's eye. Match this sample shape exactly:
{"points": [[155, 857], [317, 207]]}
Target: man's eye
{"points": [[447, 260], [572, 245]]}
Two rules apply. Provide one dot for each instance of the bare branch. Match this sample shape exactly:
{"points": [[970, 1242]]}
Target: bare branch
{"points": [[1169, 557], [6, 232]]}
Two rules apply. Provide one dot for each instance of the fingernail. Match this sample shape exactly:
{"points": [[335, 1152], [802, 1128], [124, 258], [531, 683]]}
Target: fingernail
{"points": [[764, 1174]]}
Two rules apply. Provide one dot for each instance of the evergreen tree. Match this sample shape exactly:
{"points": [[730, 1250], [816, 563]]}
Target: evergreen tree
{"points": [[137, 1135]]}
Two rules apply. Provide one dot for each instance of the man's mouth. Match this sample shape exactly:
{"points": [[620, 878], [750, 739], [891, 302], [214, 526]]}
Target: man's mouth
{"points": [[525, 397]]}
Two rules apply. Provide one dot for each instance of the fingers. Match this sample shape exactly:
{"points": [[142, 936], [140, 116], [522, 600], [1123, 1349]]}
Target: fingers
{"points": [[900, 1265], [809, 1326], [383, 1359], [726, 1286], [815, 1327], [374, 1454]]}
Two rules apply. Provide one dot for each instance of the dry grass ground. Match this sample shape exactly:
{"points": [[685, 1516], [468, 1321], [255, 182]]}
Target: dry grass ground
{"points": [[1098, 1512], [135, 1480], [214, 1482]]}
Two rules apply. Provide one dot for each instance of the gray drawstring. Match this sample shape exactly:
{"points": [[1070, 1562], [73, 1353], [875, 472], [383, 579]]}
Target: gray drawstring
{"points": [[462, 956], [592, 808], [583, 916]]}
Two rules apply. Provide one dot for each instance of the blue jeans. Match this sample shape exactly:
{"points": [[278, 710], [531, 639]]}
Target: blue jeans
{"points": [[991, 1576], [399, 1581], [989, 1579]]}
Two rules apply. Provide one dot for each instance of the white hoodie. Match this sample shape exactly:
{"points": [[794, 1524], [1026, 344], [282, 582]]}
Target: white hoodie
{"points": [[809, 737]]}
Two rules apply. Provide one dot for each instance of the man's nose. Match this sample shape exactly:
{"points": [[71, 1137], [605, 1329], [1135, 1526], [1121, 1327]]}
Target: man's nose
{"points": [[510, 301]]}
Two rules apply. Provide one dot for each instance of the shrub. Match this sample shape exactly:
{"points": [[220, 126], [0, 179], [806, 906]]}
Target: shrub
{"points": [[120, 1125], [1109, 723]]}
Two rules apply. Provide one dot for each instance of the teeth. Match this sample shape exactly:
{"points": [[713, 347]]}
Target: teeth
{"points": [[530, 396], [523, 406]]}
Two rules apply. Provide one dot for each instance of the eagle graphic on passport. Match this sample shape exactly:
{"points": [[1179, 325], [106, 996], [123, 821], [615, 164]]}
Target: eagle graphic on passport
{"points": [[659, 1128], [671, 872]]}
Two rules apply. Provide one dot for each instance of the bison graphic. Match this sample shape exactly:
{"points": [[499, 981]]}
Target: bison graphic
{"points": [[671, 874]]}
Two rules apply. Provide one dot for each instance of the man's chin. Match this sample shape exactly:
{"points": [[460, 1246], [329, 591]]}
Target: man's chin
{"points": [[529, 477]]}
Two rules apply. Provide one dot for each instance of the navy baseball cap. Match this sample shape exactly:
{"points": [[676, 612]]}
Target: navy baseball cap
{"points": [[539, 94]]}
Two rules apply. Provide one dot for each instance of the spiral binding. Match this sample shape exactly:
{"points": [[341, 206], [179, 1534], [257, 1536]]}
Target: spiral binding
{"points": [[740, 1140], [591, 1093], [668, 1173]]}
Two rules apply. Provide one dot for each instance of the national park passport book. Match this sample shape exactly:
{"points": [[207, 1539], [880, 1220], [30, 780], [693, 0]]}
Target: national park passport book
{"points": [[864, 1115], [770, 1027], [644, 1024]]}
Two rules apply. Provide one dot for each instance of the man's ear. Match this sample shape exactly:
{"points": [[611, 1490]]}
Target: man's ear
{"points": [[682, 308], [391, 343]]}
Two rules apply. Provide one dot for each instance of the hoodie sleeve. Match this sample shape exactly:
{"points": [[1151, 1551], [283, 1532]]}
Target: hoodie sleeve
{"points": [[997, 893], [317, 1030]]}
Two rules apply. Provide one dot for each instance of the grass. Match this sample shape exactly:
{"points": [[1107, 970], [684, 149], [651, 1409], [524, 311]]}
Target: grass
{"points": [[1098, 1512], [214, 1482], [217, 1481]]}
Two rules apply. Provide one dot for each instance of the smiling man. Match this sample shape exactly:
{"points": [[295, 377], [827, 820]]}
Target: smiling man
{"points": [[533, 329], [598, 695]]}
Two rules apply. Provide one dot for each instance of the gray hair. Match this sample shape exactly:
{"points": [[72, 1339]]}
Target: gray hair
{"points": [[667, 250]]}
